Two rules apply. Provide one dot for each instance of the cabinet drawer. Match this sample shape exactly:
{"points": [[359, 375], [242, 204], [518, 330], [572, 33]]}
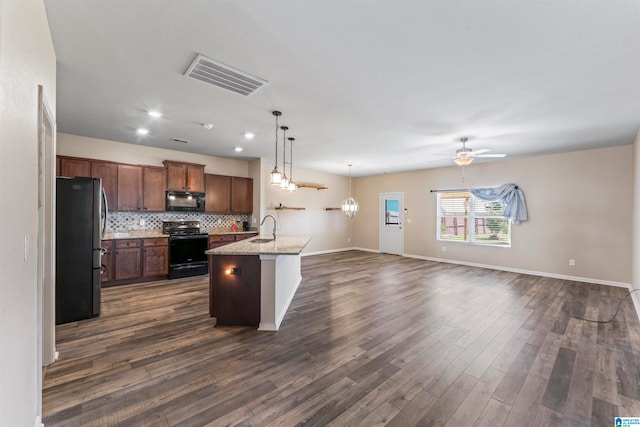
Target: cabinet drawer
{"points": [[156, 241], [127, 243], [245, 236], [222, 238]]}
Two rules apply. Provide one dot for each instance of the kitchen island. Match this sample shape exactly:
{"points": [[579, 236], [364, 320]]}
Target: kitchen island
{"points": [[253, 283]]}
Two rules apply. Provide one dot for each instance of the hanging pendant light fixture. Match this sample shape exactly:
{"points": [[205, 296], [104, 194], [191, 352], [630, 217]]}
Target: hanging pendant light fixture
{"points": [[276, 176], [284, 182], [350, 206], [292, 185]]}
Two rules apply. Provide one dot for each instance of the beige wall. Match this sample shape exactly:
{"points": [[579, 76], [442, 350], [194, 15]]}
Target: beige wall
{"points": [[331, 230], [27, 59], [635, 282], [103, 149], [579, 203]]}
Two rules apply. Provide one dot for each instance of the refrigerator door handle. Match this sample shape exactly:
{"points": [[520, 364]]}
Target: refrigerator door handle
{"points": [[105, 215]]}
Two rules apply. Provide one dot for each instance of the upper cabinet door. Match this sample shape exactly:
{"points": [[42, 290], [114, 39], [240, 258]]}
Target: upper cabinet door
{"points": [[176, 176], [241, 195], [154, 184], [109, 174], [129, 188], [71, 167], [195, 178], [184, 176], [218, 193]]}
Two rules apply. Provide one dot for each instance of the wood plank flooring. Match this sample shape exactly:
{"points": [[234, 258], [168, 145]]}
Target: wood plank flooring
{"points": [[369, 339]]}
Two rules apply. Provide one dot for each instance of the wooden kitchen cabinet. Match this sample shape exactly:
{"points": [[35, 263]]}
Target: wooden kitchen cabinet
{"points": [[217, 240], [129, 188], [241, 195], [128, 259], [72, 167], [185, 176], [217, 193], [109, 173], [154, 184], [107, 261], [155, 257]]}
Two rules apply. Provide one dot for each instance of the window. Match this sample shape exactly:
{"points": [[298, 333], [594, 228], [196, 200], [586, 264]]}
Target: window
{"points": [[463, 217]]}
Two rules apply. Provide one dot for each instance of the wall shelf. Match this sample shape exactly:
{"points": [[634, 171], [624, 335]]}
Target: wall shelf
{"points": [[332, 209], [289, 208], [316, 186]]}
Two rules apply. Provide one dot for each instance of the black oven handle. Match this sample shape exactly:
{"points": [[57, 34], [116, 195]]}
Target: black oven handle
{"points": [[189, 237]]}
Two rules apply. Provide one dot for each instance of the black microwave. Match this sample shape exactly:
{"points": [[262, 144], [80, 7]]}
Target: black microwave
{"points": [[185, 201]]}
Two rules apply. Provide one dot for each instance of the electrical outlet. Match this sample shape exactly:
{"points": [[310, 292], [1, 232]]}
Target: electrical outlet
{"points": [[142, 222], [348, 239], [444, 249], [572, 262], [408, 220]]}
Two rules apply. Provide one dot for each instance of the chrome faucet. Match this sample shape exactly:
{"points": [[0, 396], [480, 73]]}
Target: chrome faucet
{"points": [[274, 224]]}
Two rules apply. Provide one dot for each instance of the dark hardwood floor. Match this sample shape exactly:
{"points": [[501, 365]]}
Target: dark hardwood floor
{"points": [[369, 339]]}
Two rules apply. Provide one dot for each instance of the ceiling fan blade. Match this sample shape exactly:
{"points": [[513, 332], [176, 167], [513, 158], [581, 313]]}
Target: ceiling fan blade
{"points": [[482, 150], [491, 155]]}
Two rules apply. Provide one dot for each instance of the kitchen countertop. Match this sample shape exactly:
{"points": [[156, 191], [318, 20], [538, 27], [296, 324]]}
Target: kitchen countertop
{"points": [[283, 245], [148, 234]]}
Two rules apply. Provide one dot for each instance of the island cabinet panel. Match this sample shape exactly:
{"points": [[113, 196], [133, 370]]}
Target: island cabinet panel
{"points": [[217, 193], [107, 261], [154, 186], [108, 172], [128, 259], [71, 167], [185, 176], [129, 188], [241, 195], [235, 296], [155, 257]]}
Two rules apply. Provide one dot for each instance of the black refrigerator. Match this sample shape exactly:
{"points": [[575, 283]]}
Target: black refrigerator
{"points": [[81, 215]]}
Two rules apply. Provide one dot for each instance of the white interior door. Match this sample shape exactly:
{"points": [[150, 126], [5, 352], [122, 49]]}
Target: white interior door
{"points": [[392, 223]]}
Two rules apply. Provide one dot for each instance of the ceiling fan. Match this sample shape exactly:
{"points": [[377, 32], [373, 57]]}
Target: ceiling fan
{"points": [[465, 156]]}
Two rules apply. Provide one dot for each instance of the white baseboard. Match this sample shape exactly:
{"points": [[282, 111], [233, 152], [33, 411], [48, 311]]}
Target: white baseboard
{"points": [[522, 271], [328, 251], [38, 422], [365, 250]]}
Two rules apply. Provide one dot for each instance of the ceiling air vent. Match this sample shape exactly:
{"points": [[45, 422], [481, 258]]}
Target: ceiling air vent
{"points": [[184, 141], [221, 75]]}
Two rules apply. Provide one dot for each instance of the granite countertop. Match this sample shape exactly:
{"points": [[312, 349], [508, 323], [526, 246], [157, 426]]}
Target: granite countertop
{"points": [[148, 234], [283, 245]]}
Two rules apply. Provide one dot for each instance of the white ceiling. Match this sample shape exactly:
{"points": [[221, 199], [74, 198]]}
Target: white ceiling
{"points": [[382, 84]]}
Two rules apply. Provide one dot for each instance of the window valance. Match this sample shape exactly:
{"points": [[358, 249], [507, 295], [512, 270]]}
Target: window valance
{"points": [[510, 195]]}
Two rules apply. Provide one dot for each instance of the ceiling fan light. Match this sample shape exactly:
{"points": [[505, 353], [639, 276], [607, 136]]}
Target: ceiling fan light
{"points": [[463, 161]]}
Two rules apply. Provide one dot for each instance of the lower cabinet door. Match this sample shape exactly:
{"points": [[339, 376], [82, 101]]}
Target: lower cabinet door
{"points": [[128, 263], [156, 261]]}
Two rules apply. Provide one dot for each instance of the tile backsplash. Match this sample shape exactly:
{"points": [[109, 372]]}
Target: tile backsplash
{"points": [[123, 221]]}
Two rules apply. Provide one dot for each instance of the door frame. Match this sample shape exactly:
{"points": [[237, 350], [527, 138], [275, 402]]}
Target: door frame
{"points": [[381, 212]]}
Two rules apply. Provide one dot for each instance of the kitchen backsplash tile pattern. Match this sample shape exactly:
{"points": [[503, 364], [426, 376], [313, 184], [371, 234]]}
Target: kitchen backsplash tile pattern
{"points": [[123, 221]]}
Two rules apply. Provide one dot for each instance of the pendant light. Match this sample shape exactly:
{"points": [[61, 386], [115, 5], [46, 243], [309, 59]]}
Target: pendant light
{"points": [[350, 206], [276, 176], [284, 182], [292, 185]]}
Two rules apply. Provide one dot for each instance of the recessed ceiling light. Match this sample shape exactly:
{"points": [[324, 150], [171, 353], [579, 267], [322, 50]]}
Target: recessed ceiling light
{"points": [[249, 135], [207, 126], [154, 113], [238, 149], [142, 131]]}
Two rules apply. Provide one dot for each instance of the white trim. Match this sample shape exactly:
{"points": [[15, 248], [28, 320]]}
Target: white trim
{"points": [[38, 422], [635, 301], [280, 318], [521, 271], [328, 251], [356, 248], [268, 326]]}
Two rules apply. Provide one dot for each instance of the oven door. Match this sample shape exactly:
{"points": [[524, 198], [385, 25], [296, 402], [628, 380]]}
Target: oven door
{"points": [[189, 249]]}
